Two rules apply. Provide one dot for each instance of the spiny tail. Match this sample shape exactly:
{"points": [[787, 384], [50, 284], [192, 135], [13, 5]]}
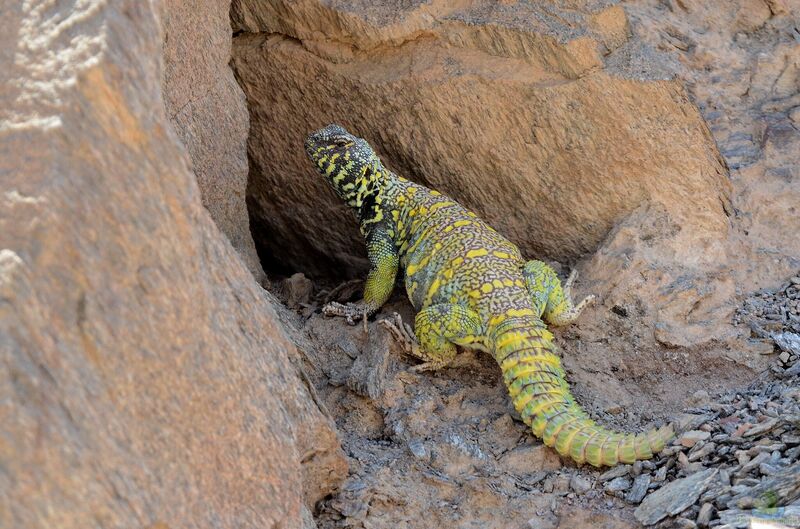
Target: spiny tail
{"points": [[534, 377]]}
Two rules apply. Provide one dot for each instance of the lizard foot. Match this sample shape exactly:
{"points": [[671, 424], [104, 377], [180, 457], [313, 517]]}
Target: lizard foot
{"points": [[351, 312], [404, 334], [588, 300]]}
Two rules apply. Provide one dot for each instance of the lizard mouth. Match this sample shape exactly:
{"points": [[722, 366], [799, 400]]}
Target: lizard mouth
{"points": [[311, 147]]}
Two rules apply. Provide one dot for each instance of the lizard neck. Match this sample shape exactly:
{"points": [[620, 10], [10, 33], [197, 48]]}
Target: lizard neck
{"points": [[374, 204]]}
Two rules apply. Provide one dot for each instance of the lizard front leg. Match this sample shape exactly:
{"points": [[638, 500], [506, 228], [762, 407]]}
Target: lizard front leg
{"points": [[384, 263]]}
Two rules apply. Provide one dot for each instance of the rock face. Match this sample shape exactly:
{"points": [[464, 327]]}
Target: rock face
{"points": [[536, 116], [145, 381], [207, 109], [550, 120], [741, 63]]}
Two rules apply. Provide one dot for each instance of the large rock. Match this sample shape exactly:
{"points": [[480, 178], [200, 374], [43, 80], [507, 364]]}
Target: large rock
{"points": [[145, 380], [207, 109], [511, 109], [671, 280]]}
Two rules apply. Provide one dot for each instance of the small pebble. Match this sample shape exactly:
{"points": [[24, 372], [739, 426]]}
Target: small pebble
{"points": [[704, 517], [705, 450], [580, 484], [561, 485], [617, 484], [639, 489], [417, 449], [684, 523], [615, 472], [692, 437]]}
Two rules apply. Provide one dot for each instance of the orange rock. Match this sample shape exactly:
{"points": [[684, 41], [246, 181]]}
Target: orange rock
{"points": [[146, 381]]}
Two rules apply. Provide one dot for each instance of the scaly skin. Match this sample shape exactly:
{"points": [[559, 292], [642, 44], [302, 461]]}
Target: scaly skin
{"points": [[472, 288]]}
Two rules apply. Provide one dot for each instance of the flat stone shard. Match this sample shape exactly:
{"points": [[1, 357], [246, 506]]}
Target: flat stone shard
{"points": [[674, 497], [145, 380], [692, 437], [781, 489], [638, 489]]}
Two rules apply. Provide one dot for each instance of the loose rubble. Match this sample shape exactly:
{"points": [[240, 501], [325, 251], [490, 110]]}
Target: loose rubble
{"points": [[740, 461], [674, 497], [734, 459], [775, 315]]}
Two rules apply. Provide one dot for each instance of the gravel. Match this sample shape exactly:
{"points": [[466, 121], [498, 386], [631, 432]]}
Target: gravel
{"points": [[736, 455]]}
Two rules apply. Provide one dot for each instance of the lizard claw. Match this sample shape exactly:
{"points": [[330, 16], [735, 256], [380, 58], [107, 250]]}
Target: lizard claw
{"points": [[401, 331], [588, 300]]}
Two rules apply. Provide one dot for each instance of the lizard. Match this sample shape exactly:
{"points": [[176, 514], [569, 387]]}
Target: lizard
{"points": [[471, 288]]}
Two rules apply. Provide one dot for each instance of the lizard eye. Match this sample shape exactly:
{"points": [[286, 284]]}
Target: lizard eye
{"points": [[340, 141]]}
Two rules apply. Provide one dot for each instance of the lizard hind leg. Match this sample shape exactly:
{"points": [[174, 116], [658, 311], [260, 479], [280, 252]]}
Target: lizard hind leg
{"points": [[550, 300], [439, 328]]}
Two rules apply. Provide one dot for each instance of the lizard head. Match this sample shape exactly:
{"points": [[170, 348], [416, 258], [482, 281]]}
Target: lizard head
{"points": [[348, 163]]}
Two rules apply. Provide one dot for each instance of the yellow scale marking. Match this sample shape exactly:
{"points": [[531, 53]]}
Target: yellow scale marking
{"points": [[477, 253], [432, 290], [439, 205]]}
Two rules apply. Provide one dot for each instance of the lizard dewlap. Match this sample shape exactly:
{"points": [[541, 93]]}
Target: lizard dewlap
{"points": [[472, 288]]}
